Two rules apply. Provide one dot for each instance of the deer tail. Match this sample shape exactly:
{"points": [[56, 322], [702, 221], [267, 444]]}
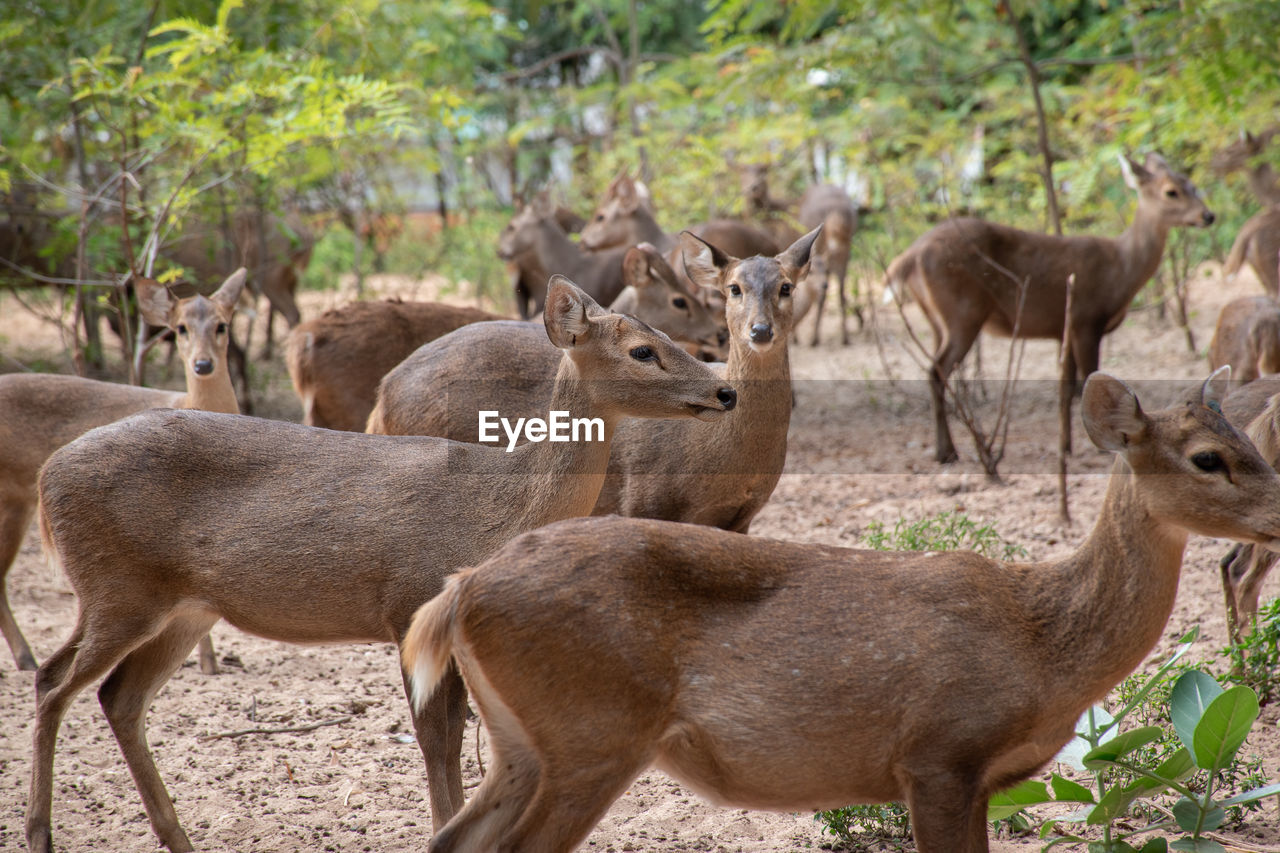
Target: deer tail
{"points": [[895, 279], [1235, 258], [299, 358], [428, 644]]}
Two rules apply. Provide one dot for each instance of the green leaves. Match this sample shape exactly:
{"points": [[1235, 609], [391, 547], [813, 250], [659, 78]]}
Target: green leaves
{"points": [[1211, 723]]}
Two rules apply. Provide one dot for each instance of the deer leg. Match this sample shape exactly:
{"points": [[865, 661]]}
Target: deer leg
{"points": [[947, 814], [439, 727], [15, 519], [502, 797], [58, 681], [953, 349], [1086, 344], [1248, 589], [817, 313], [836, 280], [207, 656], [1226, 567], [125, 697]]}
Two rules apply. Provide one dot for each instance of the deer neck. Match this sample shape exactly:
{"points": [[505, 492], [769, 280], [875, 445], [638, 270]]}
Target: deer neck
{"points": [[1107, 604], [210, 393], [648, 230], [1263, 182], [556, 251], [763, 383], [551, 481], [1140, 248]]}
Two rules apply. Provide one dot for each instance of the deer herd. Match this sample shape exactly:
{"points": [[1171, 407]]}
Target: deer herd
{"points": [[599, 600]]}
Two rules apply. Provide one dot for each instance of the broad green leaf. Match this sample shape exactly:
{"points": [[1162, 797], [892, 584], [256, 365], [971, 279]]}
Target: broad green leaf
{"points": [[1120, 745], [1187, 813], [1224, 726], [1192, 693], [1029, 793], [1155, 845], [1064, 790], [1202, 845], [1250, 796]]}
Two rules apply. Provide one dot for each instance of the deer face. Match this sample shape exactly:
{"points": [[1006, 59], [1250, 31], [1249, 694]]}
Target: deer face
{"points": [[1176, 200]]}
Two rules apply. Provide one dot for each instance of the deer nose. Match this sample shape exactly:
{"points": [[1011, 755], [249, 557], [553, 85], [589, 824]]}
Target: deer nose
{"points": [[761, 333], [727, 397], [1209, 217], [202, 366]]}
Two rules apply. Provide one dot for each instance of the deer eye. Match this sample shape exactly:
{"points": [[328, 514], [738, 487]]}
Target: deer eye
{"points": [[785, 290], [679, 302], [734, 290], [644, 354], [1171, 193], [599, 217], [182, 329], [222, 328], [1208, 461]]}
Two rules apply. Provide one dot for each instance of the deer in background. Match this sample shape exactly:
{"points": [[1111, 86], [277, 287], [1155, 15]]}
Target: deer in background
{"points": [[719, 474], [1258, 242], [527, 276], [595, 648], [829, 206], [534, 232], [311, 536], [337, 359], [40, 412], [625, 218], [968, 275], [1247, 337]]}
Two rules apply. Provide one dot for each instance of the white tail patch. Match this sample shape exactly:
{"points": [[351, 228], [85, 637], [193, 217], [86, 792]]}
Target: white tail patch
{"points": [[428, 644]]}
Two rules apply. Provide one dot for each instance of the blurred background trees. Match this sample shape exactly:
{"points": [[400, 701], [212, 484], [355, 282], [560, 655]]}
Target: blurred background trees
{"points": [[404, 130]]}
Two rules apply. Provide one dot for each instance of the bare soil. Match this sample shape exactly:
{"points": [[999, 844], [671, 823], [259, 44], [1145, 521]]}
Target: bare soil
{"points": [[860, 452]]}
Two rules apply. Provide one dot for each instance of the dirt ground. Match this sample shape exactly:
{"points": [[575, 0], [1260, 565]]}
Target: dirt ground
{"points": [[859, 452]]}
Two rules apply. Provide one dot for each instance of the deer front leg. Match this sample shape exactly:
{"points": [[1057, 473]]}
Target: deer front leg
{"points": [[15, 518], [947, 814]]}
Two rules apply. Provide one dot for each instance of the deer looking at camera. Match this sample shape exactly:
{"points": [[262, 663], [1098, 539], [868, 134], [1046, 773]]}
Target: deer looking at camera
{"points": [[318, 536], [968, 276], [772, 675], [719, 474], [41, 412]]}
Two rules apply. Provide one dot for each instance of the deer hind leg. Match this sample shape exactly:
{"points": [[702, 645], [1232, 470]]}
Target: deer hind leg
{"points": [[1238, 555], [99, 641], [1248, 588], [207, 656], [818, 303], [439, 727], [502, 797], [955, 345], [125, 697], [947, 814], [15, 519]]}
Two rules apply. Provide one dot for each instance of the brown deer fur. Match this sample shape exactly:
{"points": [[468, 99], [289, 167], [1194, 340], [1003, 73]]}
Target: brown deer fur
{"points": [[772, 675], [41, 412], [1247, 337], [719, 474], [308, 535], [829, 206], [967, 276]]}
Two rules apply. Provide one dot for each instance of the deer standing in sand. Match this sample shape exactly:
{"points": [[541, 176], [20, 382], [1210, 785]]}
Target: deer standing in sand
{"points": [[308, 535], [1258, 242], [968, 275], [40, 412], [772, 675]]}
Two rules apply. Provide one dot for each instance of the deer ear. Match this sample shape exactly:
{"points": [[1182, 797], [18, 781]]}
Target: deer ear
{"points": [[568, 313], [1134, 173], [226, 296], [794, 258], [1215, 388], [1156, 163], [703, 262], [635, 268], [542, 206], [155, 301], [1112, 416]]}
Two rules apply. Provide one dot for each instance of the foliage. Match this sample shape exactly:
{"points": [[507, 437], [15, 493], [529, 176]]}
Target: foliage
{"points": [[1210, 725], [947, 531], [1256, 658]]}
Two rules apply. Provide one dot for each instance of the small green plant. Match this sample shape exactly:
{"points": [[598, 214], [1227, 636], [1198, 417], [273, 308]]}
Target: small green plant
{"points": [[1211, 724], [947, 531], [1255, 660]]}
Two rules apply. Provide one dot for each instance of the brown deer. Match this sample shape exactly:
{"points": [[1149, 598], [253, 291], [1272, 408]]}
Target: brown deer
{"points": [[40, 412], [968, 274], [1246, 566], [337, 359], [829, 206], [625, 218], [1258, 242], [719, 474], [775, 215], [310, 536], [1247, 337], [528, 278], [533, 231], [773, 675]]}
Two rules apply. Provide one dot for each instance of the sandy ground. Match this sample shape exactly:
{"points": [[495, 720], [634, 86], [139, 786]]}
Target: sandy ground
{"points": [[858, 453]]}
